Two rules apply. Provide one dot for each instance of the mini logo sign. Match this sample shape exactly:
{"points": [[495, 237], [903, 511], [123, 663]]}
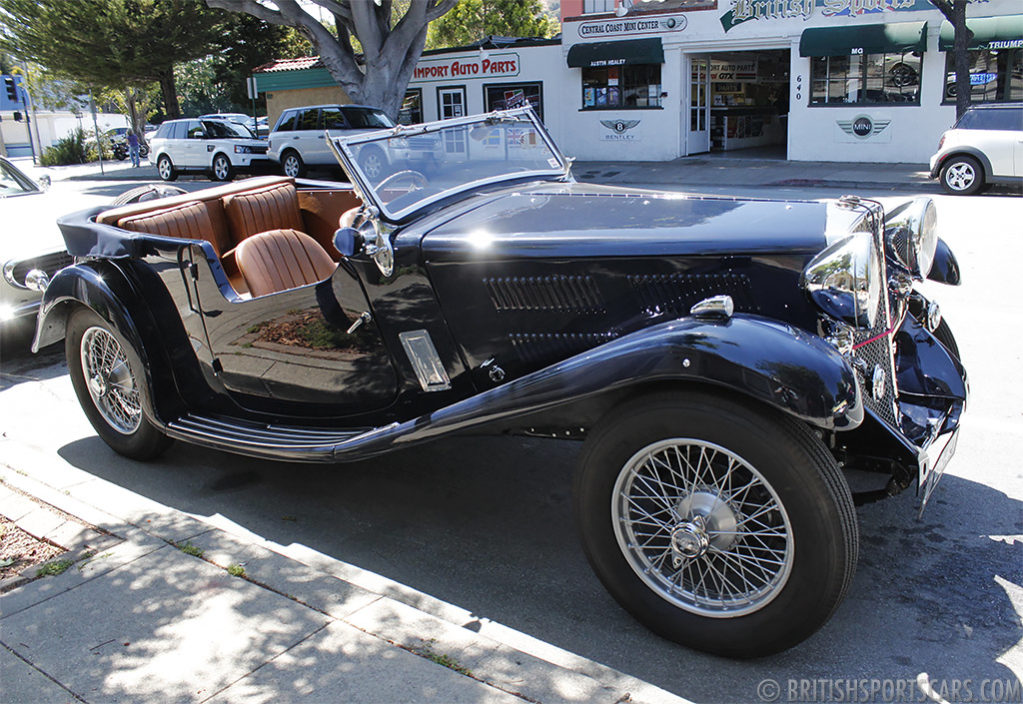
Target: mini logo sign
{"points": [[863, 126]]}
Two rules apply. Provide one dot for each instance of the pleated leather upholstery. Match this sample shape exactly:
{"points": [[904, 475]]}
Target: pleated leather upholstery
{"points": [[188, 221], [264, 209], [280, 260]]}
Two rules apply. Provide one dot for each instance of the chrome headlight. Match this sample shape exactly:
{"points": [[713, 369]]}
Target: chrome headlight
{"points": [[845, 280], [910, 235]]}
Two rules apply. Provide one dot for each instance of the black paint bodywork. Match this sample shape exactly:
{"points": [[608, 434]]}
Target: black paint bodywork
{"points": [[579, 296]]}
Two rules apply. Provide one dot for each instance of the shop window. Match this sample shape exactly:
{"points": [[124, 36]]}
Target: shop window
{"points": [[996, 75], [505, 96], [411, 112], [622, 87], [865, 79], [591, 7]]}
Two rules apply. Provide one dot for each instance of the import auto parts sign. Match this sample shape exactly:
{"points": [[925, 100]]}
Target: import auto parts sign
{"points": [[490, 66]]}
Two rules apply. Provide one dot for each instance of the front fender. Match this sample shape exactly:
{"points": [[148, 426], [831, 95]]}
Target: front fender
{"points": [[784, 367]]}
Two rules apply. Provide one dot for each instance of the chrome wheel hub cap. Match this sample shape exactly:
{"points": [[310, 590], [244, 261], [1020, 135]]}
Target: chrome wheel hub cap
{"points": [[109, 380], [702, 528], [960, 176]]}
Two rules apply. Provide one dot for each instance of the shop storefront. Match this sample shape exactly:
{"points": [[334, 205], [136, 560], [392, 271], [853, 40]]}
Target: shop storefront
{"points": [[836, 80]]}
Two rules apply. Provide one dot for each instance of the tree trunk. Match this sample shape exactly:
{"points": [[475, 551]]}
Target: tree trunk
{"points": [[170, 94], [961, 56]]}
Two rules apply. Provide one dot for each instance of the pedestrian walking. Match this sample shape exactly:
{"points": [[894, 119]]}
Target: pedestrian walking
{"points": [[133, 149]]}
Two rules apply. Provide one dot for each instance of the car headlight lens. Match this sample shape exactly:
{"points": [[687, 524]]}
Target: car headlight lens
{"points": [[844, 280], [240, 149], [910, 234]]}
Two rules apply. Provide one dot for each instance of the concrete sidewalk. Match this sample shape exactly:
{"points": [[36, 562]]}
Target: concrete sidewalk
{"points": [[704, 171], [157, 605]]}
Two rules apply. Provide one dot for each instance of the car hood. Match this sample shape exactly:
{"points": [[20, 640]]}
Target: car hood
{"points": [[581, 220], [30, 225]]}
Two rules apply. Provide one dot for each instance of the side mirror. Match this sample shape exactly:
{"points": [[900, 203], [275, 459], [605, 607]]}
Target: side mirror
{"points": [[45, 182], [347, 241]]}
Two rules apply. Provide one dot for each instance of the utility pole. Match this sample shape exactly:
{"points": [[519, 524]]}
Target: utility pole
{"points": [[31, 108]]}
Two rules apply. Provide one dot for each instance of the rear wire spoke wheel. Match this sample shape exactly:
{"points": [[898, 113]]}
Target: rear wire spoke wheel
{"points": [[718, 523], [106, 375]]}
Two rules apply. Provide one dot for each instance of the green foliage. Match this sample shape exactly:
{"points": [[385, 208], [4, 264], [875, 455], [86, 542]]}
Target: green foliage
{"points": [[54, 568], [236, 570], [66, 150], [189, 549], [472, 20]]}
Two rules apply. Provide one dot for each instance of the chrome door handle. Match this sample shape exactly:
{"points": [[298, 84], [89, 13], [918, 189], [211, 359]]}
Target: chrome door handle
{"points": [[359, 322]]}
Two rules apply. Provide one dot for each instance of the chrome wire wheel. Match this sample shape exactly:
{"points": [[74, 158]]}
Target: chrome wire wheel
{"points": [[702, 528], [110, 381]]}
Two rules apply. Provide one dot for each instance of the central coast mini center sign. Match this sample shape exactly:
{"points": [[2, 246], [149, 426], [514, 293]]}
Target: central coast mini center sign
{"points": [[505, 64]]}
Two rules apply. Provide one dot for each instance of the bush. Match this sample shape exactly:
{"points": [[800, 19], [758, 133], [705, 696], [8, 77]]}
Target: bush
{"points": [[66, 150], [78, 147]]}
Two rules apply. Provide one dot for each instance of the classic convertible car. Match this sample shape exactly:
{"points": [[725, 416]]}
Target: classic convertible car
{"points": [[732, 366]]}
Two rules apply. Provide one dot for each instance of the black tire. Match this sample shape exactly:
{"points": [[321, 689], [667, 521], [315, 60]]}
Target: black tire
{"points": [[373, 163], [815, 533], [962, 175], [130, 434], [221, 168], [151, 191], [143, 150], [292, 164], [165, 168]]}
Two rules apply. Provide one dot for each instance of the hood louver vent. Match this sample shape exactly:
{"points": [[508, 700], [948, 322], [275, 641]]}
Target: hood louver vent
{"points": [[675, 294], [560, 294], [543, 347]]}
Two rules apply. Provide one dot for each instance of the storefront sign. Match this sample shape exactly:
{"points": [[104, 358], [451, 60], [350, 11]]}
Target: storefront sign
{"points": [[733, 70], [619, 130], [864, 127], [488, 67], [618, 28], [745, 10]]}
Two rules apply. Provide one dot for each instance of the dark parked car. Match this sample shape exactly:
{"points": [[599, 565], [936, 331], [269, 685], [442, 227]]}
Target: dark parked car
{"points": [[730, 365]]}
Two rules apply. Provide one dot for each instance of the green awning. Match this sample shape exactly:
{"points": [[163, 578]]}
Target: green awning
{"points": [[864, 39], [629, 51], [1004, 32]]}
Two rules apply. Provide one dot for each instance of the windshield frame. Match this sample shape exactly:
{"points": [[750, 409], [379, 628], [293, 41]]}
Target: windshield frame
{"points": [[342, 147], [28, 185]]}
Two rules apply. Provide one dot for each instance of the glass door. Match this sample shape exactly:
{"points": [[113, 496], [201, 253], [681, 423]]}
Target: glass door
{"points": [[698, 139]]}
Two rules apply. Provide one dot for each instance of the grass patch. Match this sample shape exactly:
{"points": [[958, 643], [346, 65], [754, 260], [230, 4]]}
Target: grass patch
{"points": [[443, 659], [189, 549], [236, 570], [54, 568]]}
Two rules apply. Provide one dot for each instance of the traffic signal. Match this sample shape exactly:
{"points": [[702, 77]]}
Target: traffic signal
{"points": [[12, 88]]}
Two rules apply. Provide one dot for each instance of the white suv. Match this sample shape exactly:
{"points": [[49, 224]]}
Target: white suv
{"points": [[217, 147], [298, 141], [985, 146]]}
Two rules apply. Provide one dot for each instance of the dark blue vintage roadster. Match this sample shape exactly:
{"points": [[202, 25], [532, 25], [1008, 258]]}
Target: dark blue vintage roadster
{"points": [[732, 366]]}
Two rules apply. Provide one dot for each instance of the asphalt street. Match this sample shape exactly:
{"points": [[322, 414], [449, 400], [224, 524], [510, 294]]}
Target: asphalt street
{"points": [[486, 524]]}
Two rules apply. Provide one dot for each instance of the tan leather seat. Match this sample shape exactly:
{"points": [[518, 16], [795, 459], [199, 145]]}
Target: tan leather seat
{"points": [[187, 221], [262, 210], [280, 260]]}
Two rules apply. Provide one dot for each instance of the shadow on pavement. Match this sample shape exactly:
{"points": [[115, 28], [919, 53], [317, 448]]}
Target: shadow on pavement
{"points": [[486, 524]]}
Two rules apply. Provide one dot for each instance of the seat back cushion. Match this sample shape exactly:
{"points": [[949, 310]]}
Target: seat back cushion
{"points": [[264, 209], [280, 260], [188, 221]]}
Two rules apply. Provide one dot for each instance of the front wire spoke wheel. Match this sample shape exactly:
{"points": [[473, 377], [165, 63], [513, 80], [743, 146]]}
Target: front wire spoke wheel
{"points": [[702, 528], [110, 382]]}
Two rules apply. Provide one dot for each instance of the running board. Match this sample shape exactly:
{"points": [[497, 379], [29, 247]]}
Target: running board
{"points": [[288, 442]]}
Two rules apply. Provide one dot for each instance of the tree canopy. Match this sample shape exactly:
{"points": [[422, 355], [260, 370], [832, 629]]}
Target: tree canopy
{"points": [[391, 35], [472, 20]]}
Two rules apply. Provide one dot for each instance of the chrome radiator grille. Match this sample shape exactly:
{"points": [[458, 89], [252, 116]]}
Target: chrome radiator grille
{"points": [[880, 351], [50, 263]]}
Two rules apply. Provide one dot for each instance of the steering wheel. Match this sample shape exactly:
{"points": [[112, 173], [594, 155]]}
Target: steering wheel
{"points": [[416, 182]]}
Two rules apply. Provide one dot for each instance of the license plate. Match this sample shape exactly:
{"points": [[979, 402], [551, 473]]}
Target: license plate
{"points": [[930, 480]]}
